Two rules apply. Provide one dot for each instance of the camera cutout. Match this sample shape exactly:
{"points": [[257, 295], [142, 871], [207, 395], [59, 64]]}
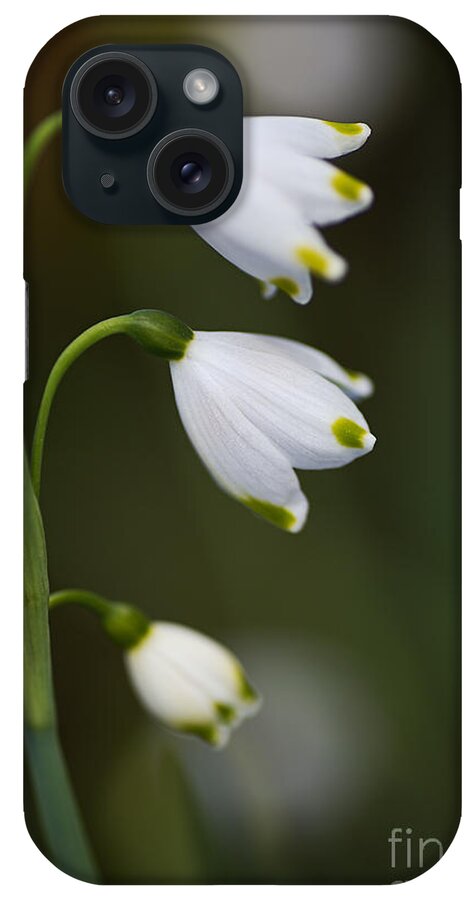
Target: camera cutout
{"points": [[113, 95], [190, 172], [165, 124]]}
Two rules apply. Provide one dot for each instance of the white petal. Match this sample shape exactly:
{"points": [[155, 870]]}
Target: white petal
{"points": [[325, 195], [356, 385], [310, 137], [265, 234], [235, 450], [190, 682], [164, 690], [313, 423], [268, 232], [209, 665], [268, 290]]}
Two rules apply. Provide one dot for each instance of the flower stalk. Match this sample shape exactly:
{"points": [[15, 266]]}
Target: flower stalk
{"points": [[62, 827], [71, 353], [124, 624], [156, 331]]}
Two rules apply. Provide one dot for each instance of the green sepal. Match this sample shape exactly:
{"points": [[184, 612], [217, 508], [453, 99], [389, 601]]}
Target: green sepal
{"points": [[125, 625], [159, 333]]}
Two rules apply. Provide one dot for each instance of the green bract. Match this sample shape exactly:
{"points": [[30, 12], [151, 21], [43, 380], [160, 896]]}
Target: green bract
{"points": [[159, 333]]}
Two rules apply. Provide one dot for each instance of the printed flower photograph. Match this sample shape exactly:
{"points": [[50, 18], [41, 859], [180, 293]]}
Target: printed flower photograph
{"points": [[240, 591]]}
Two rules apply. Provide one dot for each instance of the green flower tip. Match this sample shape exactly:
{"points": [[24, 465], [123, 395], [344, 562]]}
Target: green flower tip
{"points": [[348, 187], [349, 434], [355, 376], [126, 625], [346, 127], [287, 285], [226, 714], [159, 333], [208, 732], [313, 260], [277, 515], [246, 691], [216, 733]]}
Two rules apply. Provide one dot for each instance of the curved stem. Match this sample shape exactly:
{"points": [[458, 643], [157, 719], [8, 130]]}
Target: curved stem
{"points": [[89, 599], [58, 812], [125, 625], [36, 141], [85, 340]]}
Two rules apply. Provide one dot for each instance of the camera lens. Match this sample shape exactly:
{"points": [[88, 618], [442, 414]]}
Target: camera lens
{"points": [[113, 95], [190, 172]]}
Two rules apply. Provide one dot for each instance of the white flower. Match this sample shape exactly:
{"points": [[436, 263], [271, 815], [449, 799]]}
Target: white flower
{"points": [[190, 682], [288, 188], [256, 407]]}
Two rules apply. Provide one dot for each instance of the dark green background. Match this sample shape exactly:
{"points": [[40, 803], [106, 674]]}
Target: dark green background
{"points": [[351, 629]]}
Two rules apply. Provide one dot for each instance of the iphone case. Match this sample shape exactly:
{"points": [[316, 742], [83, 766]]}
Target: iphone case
{"points": [[253, 672]]}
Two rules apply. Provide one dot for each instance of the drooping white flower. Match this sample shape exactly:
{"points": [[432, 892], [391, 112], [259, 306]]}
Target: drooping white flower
{"points": [[190, 682], [257, 407], [288, 189]]}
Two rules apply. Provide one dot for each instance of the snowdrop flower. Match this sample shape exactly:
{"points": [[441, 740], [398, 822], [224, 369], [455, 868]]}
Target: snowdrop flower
{"points": [[185, 679], [190, 682], [255, 408], [288, 188]]}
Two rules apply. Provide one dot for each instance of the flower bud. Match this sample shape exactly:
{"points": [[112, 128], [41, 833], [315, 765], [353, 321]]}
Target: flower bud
{"points": [[159, 333], [190, 682]]}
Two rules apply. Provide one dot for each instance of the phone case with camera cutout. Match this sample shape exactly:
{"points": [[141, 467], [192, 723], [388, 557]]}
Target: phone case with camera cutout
{"points": [[243, 511]]}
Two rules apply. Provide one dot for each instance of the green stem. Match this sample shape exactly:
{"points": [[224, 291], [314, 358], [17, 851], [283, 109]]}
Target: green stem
{"points": [[77, 347], [168, 338], [88, 599], [64, 835], [124, 624], [37, 140], [62, 827]]}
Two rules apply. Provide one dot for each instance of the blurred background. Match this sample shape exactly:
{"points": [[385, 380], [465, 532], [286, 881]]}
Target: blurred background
{"points": [[350, 630]]}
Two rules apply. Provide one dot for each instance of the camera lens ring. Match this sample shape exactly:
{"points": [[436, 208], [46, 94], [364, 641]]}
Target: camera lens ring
{"points": [[220, 188], [138, 83]]}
